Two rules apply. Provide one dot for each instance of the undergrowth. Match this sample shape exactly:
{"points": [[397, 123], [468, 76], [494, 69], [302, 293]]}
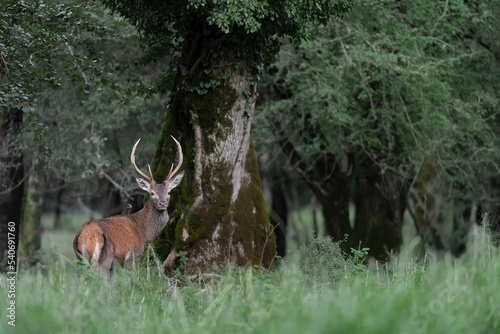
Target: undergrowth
{"points": [[316, 290]]}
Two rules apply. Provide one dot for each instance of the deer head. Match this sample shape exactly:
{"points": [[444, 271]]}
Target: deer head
{"points": [[159, 192]]}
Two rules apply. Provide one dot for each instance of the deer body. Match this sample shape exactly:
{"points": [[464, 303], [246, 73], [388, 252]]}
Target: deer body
{"points": [[124, 237]]}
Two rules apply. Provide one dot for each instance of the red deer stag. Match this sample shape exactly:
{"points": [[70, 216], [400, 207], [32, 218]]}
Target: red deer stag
{"points": [[123, 237]]}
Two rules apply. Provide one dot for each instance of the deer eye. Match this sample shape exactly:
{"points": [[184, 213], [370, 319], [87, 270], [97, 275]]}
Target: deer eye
{"points": [[169, 192], [153, 193]]}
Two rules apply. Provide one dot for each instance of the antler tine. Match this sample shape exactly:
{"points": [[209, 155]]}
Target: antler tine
{"points": [[151, 174], [132, 159], [172, 173]]}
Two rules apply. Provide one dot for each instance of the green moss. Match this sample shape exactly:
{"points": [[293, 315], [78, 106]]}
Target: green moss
{"points": [[31, 231], [266, 248], [222, 212], [216, 209], [176, 124], [211, 111], [211, 107], [178, 242]]}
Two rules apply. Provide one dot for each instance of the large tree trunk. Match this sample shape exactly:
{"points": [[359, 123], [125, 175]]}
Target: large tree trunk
{"points": [[443, 221], [380, 201], [334, 195], [218, 214], [11, 180], [31, 234], [330, 181], [429, 206]]}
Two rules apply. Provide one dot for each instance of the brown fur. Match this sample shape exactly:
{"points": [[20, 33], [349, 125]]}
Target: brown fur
{"points": [[122, 232], [124, 237]]}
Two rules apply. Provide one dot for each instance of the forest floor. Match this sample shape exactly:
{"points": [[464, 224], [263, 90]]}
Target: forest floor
{"points": [[313, 290]]}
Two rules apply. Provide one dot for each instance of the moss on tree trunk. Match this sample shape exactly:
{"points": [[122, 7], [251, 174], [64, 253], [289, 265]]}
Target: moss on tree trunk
{"points": [[31, 235], [217, 214]]}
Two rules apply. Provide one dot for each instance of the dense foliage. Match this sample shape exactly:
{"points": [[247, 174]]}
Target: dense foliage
{"points": [[400, 89], [40, 40], [73, 68], [393, 89], [249, 30]]}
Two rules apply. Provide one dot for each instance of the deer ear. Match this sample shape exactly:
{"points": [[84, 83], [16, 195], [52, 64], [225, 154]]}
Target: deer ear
{"points": [[143, 184], [175, 181]]}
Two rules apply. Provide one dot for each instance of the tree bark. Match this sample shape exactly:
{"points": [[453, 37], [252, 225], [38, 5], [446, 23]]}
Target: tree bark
{"points": [[31, 234], [218, 214], [11, 180]]}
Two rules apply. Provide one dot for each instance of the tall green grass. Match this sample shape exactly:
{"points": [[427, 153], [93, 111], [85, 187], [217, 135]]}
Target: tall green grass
{"points": [[313, 291]]}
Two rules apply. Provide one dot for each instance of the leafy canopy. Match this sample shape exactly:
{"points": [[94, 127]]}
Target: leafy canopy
{"points": [[71, 67], [237, 29], [392, 84], [37, 39], [39, 42]]}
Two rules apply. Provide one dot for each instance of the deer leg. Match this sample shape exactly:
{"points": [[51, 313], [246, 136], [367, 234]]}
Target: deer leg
{"points": [[105, 259], [128, 263], [130, 260]]}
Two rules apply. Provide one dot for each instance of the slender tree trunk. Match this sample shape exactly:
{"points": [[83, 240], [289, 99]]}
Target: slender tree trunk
{"points": [[57, 210], [314, 207], [31, 234], [443, 223], [335, 207], [218, 214], [11, 181], [279, 219], [274, 196]]}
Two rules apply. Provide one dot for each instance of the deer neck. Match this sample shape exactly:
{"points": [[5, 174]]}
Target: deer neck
{"points": [[153, 221]]}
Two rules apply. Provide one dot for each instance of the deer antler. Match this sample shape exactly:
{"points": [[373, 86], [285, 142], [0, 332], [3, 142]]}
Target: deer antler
{"points": [[132, 158], [172, 173]]}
